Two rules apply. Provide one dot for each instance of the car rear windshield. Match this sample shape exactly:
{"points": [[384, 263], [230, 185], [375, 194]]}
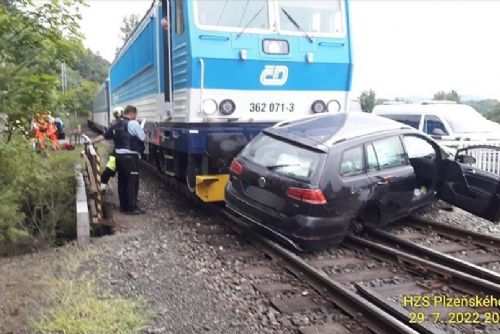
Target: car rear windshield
{"points": [[282, 157]]}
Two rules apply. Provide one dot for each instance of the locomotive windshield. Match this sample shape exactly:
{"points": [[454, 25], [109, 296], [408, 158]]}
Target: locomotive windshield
{"points": [[234, 14], [313, 16]]}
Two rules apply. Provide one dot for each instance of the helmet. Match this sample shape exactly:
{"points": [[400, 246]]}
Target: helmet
{"points": [[118, 112]]}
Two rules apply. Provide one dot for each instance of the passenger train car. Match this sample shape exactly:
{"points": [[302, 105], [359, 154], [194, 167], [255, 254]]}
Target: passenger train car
{"points": [[100, 117], [209, 75]]}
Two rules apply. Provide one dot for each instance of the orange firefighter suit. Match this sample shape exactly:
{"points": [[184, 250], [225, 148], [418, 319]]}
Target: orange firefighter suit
{"points": [[52, 134], [40, 129]]}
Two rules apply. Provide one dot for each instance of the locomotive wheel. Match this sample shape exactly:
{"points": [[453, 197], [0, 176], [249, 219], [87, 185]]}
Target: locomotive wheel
{"points": [[190, 183], [191, 173]]}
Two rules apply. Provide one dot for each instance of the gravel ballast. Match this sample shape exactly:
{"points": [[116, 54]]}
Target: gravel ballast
{"points": [[178, 259]]}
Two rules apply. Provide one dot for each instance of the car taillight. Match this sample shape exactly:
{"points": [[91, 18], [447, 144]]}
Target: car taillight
{"points": [[311, 196], [236, 167]]}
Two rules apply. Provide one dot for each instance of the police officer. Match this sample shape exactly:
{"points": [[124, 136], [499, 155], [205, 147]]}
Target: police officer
{"points": [[128, 136]]}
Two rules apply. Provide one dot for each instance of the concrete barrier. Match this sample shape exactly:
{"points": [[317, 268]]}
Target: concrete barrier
{"points": [[82, 210]]}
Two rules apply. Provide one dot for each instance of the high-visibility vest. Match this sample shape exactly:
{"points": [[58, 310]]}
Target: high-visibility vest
{"points": [[111, 163]]}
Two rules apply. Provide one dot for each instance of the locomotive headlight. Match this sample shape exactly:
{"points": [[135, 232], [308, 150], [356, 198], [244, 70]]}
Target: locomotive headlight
{"points": [[318, 107], [209, 106], [275, 46], [227, 107], [333, 106]]}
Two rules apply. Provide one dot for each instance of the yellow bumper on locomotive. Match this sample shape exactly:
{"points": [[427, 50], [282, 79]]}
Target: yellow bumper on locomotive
{"points": [[210, 188]]}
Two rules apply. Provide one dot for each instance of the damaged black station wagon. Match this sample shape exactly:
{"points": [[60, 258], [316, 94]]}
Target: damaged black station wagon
{"points": [[308, 181]]}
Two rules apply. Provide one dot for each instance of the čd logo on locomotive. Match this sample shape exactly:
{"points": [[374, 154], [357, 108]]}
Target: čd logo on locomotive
{"points": [[274, 75]]}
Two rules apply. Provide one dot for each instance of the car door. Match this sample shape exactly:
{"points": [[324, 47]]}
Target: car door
{"points": [[393, 178], [353, 190], [469, 188], [422, 154]]}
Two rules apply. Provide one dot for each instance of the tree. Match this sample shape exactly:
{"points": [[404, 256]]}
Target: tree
{"points": [[368, 100], [402, 100], [483, 106], [129, 24], [447, 96], [92, 67], [494, 113], [34, 39], [76, 100]]}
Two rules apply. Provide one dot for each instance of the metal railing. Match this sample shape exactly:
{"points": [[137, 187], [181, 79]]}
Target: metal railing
{"points": [[486, 153]]}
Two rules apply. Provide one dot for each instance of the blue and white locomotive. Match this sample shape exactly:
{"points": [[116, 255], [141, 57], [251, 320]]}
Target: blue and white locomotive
{"points": [[209, 75]]}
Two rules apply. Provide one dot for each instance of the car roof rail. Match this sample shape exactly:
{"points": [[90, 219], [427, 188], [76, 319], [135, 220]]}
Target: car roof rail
{"points": [[390, 103], [439, 102]]}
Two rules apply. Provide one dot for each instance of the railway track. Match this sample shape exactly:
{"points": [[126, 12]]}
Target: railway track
{"points": [[381, 307], [380, 269], [301, 309], [457, 248], [359, 308]]}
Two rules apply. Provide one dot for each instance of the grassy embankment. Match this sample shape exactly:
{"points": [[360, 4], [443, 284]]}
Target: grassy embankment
{"points": [[38, 211], [81, 305]]}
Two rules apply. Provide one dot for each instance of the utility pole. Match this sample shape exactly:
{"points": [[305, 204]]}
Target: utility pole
{"points": [[64, 87]]}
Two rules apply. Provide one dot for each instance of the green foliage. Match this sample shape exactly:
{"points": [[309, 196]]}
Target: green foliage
{"points": [[50, 195], [494, 113], [77, 99], [402, 99], [128, 26], [92, 67], [483, 106], [81, 306], [10, 217], [447, 96], [368, 99], [83, 309], [37, 192], [35, 38], [129, 23]]}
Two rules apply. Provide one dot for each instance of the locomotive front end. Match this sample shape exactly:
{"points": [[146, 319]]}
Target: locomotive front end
{"points": [[241, 66]]}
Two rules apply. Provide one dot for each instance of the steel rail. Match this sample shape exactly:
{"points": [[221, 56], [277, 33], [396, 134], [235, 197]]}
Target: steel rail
{"points": [[433, 255], [376, 319], [377, 316], [397, 311], [456, 232], [390, 254]]}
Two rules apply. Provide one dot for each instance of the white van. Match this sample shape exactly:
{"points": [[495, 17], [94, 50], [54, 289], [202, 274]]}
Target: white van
{"points": [[443, 120]]}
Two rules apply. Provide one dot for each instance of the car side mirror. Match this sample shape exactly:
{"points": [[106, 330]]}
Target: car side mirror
{"points": [[466, 159], [438, 132]]}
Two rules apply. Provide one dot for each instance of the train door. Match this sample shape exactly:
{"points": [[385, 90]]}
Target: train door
{"points": [[166, 42], [179, 56]]}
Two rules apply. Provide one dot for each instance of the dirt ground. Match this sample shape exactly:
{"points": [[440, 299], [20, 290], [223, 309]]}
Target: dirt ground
{"points": [[23, 289], [27, 281]]}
